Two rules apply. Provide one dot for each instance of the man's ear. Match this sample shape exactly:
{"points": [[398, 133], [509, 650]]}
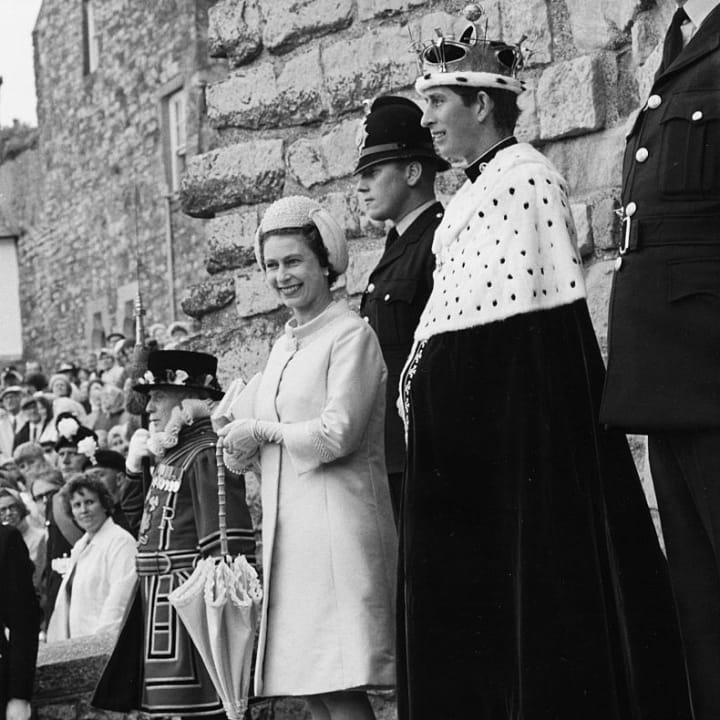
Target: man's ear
{"points": [[484, 105], [413, 173]]}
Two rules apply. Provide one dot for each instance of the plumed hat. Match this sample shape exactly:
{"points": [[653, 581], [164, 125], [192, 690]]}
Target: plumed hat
{"points": [[181, 370], [296, 211], [392, 131], [71, 432], [471, 60]]}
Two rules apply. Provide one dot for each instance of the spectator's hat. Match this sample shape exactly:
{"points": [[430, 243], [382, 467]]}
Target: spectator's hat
{"points": [[181, 370], [392, 131], [110, 459], [10, 389], [71, 433], [114, 337], [27, 401], [470, 60]]}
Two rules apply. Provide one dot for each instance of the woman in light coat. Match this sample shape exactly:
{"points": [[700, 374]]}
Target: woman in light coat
{"points": [[314, 419], [100, 577]]}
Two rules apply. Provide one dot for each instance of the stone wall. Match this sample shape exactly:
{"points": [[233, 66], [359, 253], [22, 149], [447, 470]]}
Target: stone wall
{"points": [[96, 197]]}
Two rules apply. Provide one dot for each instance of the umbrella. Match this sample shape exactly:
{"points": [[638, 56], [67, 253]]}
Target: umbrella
{"points": [[219, 606]]}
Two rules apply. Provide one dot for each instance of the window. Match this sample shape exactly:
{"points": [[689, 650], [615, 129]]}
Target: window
{"points": [[175, 112], [10, 322], [91, 38]]}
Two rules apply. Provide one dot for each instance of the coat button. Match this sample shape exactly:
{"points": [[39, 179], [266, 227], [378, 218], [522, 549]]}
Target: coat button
{"points": [[366, 318], [370, 287], [630, 209], [642, 155], [618, 264], [654, 102], [387, 297], [697, 115]]}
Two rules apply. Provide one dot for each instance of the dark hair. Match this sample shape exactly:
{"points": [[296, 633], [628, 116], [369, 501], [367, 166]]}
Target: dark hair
{"points": [[81, 481], [505, 111], [17, 500], [311, 236], [37, 380]]}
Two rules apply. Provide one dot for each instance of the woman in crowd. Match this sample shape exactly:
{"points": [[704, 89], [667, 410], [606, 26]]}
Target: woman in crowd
{"points": [[314, 419], [14, 512], [100, 577], [117, 439], [96, 418]]}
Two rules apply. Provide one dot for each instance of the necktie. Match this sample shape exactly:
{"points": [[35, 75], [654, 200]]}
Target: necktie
{"points": [[392, 236], [673, 39]]}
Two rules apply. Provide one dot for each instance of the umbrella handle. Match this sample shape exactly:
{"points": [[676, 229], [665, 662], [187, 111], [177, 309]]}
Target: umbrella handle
{"points": [[222, 515]]}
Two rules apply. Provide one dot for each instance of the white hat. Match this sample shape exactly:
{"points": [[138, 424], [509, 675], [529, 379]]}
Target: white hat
{"points": [[296, 211]]}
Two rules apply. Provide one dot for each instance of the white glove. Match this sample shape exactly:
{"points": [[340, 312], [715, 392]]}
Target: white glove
{"points": [[239, 438], [138, 450], [268, 431]]}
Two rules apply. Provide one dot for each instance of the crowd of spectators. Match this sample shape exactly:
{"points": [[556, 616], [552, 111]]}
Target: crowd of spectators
{"points": [[64, 436]]}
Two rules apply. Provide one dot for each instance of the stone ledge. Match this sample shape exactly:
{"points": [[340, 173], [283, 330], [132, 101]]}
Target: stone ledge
{"points": [[208, 296], [234, 31], [244, 173]]}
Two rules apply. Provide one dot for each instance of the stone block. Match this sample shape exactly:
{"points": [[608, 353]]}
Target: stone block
{"points": [[208, 296], [230, 241], [332, 155], [528, 126], [234, 31], [606, 225], [363, 259], [257, 98], [378, 62], [529, 18], [252, 295], [598, 281], [289, 23], [243, 173], [369, 9], [646, 72], [57, 711], [572, 97], [591, 162], [594, 24], [646, 34], [344, 207], [581, 216]]}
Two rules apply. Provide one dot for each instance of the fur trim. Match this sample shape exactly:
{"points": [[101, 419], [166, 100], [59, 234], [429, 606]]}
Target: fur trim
{"points": [[469, 79]]}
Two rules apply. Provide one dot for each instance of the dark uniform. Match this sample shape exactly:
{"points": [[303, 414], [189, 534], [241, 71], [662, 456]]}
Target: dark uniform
{"points": [[400, 285], [663, 374]]}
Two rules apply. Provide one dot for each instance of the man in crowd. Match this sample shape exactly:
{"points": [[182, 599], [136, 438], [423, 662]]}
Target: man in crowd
{"points": [[179, 524], [32, 428], [396, 177], [10, 417], [664, 342]]}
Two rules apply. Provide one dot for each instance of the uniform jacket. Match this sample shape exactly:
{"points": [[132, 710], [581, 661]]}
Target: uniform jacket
{"points": [[397, 291], [19, 616], [98, 585], [329, 541], [664, 331]]}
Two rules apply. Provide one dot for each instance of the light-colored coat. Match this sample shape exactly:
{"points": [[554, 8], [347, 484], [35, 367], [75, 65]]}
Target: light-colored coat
{"points": [[329, 540], [102, 571]]}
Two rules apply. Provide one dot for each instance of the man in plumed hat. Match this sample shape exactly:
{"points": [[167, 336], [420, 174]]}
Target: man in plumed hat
{"points": [[154, 667], [396, 171]]}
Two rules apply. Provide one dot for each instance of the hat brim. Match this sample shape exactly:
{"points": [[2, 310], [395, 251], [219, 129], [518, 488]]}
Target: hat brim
{"points": [[145, 388], [390, 155]]}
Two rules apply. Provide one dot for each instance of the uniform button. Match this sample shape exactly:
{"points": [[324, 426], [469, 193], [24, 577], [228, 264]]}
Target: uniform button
{"points": [[642, 155], [630, 209], [387, 297], [371, 287], [654, 102], [697, 115], [618, 265], [366, 318]]}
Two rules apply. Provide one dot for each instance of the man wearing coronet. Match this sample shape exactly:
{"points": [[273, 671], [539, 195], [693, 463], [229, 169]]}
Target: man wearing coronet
{"points": [[531, 581], [154, 667], [396, 177]]}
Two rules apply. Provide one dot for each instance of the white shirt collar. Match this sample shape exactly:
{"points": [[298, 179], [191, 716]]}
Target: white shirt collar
{"points": [[403, 224], [698, 10]]}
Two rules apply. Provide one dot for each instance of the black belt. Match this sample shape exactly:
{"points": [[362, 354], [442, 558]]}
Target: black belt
{"points": [[164, 563], [677, 230]]}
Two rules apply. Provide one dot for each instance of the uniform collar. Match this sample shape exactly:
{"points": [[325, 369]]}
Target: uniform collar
{"points": [[402, 225], [474, 169], [698, 10]]}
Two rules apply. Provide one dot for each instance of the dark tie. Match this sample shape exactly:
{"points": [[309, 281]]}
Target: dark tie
{"points": [[673, 39], [392, 236]]}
